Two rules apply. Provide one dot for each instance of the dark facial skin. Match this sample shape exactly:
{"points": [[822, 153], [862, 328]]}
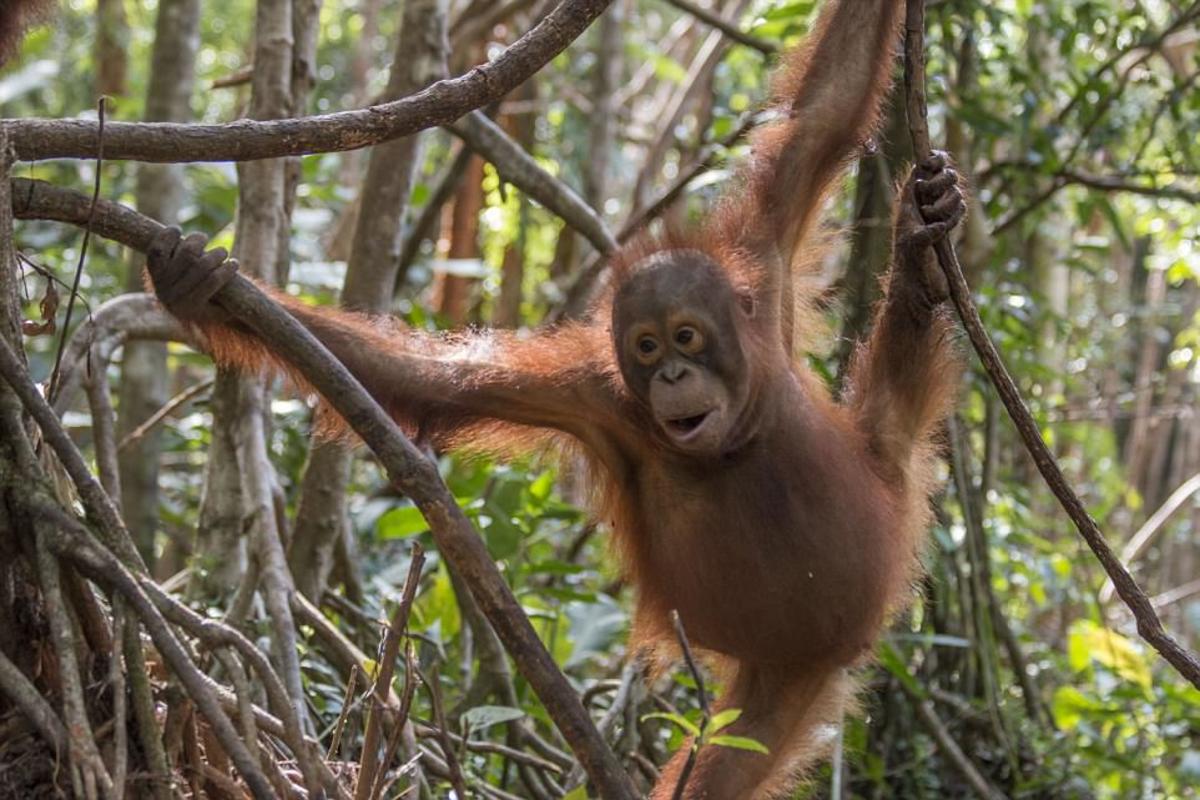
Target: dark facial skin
{"points": [[675, 332]]}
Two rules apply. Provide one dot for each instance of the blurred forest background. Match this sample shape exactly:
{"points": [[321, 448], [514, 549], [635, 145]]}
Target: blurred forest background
{"points": [[1078, 124]]}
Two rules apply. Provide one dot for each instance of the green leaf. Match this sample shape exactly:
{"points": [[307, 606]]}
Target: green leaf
{"points": [[1070, 706], [483, 717], [740, 743], [1089, 642], [890, 658], [541, 486], [578, 793], [678, 720], [723, 719], [400, 523]]}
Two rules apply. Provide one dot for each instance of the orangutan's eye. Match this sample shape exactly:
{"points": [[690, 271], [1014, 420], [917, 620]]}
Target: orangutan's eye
{"points": [[647, 347], [689, 339]]}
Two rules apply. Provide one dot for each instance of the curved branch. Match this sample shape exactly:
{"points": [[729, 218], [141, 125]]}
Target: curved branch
{"points": [[125, 318], [521, 170], [248, 140], [406, 466]]}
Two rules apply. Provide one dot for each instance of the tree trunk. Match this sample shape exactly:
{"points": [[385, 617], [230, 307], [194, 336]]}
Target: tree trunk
{"points": [[871, 240], [523, 128], [370, 277], [160, 194], [112, 47], [454, 291]]}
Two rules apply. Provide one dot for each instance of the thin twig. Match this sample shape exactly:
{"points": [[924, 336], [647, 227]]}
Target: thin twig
{"points": [[167, 409], [439, 716], [83, 248], [950, 748], [104, 438], [1149, 626], [730, 29], [335, 740], [401, 720], [1138, 543], [520, 169], [431, 212], [705, 713], [244, 694], [630, 675]]}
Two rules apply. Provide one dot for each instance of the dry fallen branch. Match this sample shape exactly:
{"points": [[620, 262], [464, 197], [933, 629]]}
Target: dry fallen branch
{"points": [[407, 467], [1149, 626], [247, 140]]}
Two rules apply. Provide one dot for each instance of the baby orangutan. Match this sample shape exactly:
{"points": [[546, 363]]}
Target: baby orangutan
{"points": [[783, 526]]}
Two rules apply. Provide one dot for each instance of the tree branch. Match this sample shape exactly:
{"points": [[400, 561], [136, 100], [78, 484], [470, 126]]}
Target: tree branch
{"points": [[1148, 624], [521, 170], [248, 140], [412, 473], [728, 28]]}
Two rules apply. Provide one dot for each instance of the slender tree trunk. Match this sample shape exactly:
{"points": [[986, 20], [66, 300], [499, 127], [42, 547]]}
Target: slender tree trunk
{"points": [[112, 47], [460, 222], [523, 128], [239, 419], [871, 240], [1137, 445], [606, 80], [454, 291], [322, 518], [160, 194]]}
